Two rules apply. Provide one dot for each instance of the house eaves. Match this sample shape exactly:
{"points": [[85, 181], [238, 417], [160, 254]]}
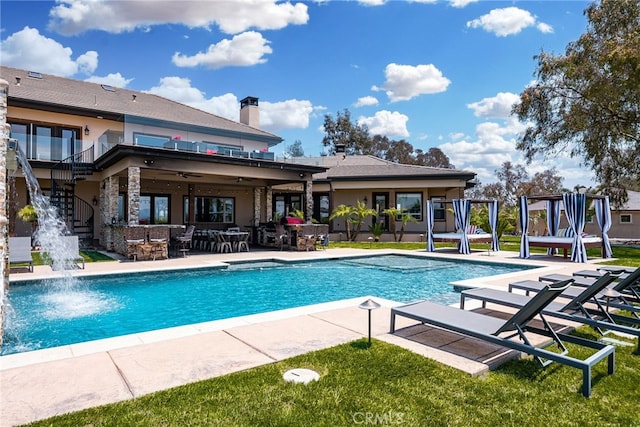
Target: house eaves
{"points": [[121, 152]]}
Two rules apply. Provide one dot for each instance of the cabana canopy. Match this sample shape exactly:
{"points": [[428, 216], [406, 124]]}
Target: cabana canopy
{"points": [[462, 217], [575, 206]]}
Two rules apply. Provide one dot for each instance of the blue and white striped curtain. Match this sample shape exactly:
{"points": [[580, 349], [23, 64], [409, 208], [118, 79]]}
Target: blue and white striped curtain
{"points": [[524, 226], [575, 206], [493, 223], [553, 221], [462, 216], [603, 216], [429, 211]]}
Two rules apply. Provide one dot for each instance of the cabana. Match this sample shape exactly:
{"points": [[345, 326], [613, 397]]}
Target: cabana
{"points": [[575, 206], [462, 217]]}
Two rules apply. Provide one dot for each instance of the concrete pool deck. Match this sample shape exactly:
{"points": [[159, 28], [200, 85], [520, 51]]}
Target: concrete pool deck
{"points": [[44, 383]]}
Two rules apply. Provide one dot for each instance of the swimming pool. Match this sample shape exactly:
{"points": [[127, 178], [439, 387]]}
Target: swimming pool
{"points": [[47, 314]]}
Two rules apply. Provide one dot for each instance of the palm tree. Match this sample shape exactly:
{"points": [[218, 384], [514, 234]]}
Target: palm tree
{"points": [[405, 217], [360, 213], [392, 213], [346, 212]]}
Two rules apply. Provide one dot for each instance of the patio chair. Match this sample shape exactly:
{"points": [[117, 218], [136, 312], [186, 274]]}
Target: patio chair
{"points": [[20, 252], [223, 243], [183, 242], [282, 238], [576, 310], [500, 332]]}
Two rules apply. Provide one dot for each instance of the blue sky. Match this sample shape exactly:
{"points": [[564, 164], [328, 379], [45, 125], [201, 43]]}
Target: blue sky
{"points": [[435, 73]]}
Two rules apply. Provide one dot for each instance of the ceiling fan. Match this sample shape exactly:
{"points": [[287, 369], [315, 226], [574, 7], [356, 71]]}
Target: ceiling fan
{"points": [[185, 175]]}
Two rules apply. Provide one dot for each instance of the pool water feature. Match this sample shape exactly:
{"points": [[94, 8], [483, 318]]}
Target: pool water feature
{"points": [[46, 315]]}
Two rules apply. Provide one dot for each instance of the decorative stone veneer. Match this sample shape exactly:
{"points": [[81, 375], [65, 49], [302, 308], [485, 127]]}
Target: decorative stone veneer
{"points": [[257, 193], [133, 187], [4, 201], [309, 199], [109, 188]]}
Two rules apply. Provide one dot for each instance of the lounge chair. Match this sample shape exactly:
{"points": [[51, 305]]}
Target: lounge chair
{"points": [[576, 310], [628, 287], [491, 329], [20, 252], [72, 249]]}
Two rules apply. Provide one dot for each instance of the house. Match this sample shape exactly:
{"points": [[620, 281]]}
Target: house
{"points": [[109, 158], [381, 184]]}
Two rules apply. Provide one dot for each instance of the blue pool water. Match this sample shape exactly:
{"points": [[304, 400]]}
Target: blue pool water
{"points": [[47, 314]]}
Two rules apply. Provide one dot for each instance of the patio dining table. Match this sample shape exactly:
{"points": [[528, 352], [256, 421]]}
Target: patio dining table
{"points": [[238, 239]]}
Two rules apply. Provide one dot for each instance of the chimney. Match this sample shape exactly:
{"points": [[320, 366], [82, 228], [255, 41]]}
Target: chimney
{"points": [[249, 112]]}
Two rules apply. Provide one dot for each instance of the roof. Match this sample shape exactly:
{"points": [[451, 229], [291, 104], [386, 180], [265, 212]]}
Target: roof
{"points": [[369, 167], [53, 93]]}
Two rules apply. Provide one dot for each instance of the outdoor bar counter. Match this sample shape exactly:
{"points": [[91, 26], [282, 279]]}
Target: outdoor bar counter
{"points": [[143, 242]]}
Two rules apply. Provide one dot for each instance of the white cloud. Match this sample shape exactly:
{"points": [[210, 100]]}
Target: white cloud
{"points": [[498, 106], [72, 17], [461, 3], [366, 101], [30, 50], [507, 21], [544, 28], [495, 143], [88, 62], [386, 123], [113, 79], [242, 50], [405, 82], [372, 2], [273, 115], [290, 114]]}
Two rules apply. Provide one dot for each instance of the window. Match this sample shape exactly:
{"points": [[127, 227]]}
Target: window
{"points": [[439, 212], [154, 209], [42, 142], [410, 203], [214, 209], [626, 219], [321, 208]]}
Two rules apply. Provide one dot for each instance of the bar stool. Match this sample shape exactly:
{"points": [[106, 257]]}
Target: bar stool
{"points": [[133, 248], [157, 247]]}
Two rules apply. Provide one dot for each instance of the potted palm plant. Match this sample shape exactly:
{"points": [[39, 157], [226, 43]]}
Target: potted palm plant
{"points": [[29, 214], [376, 230]]}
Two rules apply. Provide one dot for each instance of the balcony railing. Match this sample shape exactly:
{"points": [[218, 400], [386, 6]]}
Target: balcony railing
{"points": [[49, 148]]}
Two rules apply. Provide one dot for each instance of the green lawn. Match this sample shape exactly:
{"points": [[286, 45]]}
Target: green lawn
{"points": [[383, 382], [39, 258]]}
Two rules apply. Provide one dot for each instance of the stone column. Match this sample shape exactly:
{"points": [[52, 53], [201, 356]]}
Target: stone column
{"points": [[257, 207], [269, 202], [308, 188], [109, 190], [133, 185], [4, 201]]}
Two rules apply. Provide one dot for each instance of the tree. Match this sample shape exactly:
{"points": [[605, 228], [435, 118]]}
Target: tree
{"points": [[511, 177], [587, 101], [547, 182], [295, 149], [342, 131], [356, 140], [434, 158], [346, 212], [359, 214]]}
